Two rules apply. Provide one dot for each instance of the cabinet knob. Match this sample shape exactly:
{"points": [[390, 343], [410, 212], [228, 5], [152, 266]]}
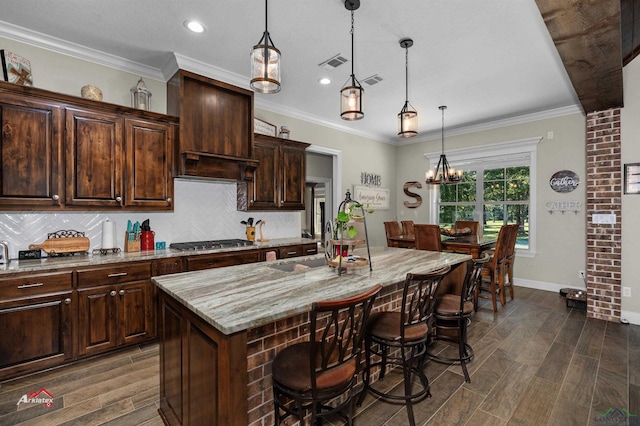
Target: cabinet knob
{"points": [[121, 292], [169, 200], [67, 301], [55, 197], [112, 293]]}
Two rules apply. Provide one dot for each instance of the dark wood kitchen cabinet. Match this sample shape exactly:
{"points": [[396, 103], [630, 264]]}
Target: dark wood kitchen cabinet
{"points": [[278, 182], [218, 260], [36, 321], [216, 132], [114, 161], [116, 307], [31, 152], [62, 152]]}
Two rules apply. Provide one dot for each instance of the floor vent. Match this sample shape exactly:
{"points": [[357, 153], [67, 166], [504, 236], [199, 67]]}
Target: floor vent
{"points": [[333, 62], [374, 79]]}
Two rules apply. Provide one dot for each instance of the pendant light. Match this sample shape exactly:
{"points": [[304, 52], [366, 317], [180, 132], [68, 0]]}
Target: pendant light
{"points": [[352, 92], [408, 117], [265, 62], [443, 174]]}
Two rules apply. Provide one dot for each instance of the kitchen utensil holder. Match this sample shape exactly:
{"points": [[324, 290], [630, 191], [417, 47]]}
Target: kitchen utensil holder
{"points": [[133, 245]]}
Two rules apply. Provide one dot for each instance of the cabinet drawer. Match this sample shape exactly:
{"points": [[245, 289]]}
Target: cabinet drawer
{"points": [[114, 274], [208, 261], [34, 284], [309, 249], [289, 251]]}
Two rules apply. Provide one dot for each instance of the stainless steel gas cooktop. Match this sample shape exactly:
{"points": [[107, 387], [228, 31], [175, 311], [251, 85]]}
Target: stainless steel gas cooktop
{"points": [[208, 245]]}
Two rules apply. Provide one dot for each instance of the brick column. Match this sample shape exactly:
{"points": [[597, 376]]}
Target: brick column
{"points": [[604, 196]]}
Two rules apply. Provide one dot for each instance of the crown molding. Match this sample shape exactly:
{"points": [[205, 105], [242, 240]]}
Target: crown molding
{"points": [[75, 50]]}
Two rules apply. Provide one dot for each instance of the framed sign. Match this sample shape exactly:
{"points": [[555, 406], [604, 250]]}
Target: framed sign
{"points": [[564, 181], [632, 178], [372, 198], [264, 128], [16, 69]]}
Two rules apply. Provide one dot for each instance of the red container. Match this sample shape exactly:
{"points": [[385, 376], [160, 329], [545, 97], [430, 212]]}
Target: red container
{"points": [[147, 240]]}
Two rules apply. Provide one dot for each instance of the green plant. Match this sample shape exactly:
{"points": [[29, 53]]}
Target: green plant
{"points": [[352, 211]]}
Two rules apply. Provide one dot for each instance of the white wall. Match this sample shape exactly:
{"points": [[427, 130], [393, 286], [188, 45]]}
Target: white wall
{"points": [[631, 202]]}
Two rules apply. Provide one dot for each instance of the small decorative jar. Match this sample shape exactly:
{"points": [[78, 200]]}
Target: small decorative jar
{"points": [[91, 92], [284, 132], [141, 96]]}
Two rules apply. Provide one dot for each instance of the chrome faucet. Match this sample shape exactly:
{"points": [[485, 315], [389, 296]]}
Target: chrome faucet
{"points": [[4, 252]]}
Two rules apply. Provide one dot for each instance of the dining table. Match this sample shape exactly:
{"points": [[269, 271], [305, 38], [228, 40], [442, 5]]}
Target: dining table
{"points": [[468, 244]]}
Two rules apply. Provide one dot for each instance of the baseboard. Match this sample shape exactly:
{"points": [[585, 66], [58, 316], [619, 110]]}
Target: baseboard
{"points": [[630, 317]]}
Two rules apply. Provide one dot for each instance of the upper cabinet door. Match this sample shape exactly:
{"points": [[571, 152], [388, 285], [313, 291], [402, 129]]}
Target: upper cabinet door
{"points": [[293, 175], [94, 146], [264, 189], [149, 181], [30, 151]]}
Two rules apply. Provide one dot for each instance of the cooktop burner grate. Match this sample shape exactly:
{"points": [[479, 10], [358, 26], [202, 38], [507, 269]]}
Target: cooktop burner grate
{"points": [[208, 245]]}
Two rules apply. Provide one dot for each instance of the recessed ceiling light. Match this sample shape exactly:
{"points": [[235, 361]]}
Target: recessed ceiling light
{"points": [[324, 80], [194, 26]]}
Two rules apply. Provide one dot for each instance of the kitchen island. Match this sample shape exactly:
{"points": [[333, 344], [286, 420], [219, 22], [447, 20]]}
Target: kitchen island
{"points": [[220, 329]]}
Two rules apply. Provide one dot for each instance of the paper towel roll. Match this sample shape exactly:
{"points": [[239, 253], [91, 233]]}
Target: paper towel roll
{"points": [[107, 234]]}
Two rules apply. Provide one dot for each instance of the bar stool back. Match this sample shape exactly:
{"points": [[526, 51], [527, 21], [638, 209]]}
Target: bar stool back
{"points": [[453, 312], [307, 376], [400, 338]]}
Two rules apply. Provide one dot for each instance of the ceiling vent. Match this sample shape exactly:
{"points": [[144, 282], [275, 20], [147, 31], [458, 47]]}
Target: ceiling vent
{"points": [[333, 62], [374, 79]]}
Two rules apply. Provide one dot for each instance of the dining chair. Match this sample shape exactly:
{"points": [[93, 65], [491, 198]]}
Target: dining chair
{"points": [[391, 229], [427, 237], [407, 229], [401, 338], [453, 313], [493, 272], [307, 376], [510, 257], [471, 224]]}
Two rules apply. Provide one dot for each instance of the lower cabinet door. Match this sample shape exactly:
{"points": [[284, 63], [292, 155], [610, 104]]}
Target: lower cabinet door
{"points": [[35, 333], [97, 330], [136, 312]]}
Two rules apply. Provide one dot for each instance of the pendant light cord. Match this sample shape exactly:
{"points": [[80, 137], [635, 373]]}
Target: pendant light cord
{"points": [[442, 133], [353, 59], [406, 75]]}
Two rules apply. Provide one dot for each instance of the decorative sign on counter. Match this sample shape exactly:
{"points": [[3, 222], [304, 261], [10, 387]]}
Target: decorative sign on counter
{"points": [[372, 198], [564, 181]]}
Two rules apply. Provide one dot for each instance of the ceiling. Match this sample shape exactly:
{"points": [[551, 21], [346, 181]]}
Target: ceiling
{"points": [[488, 61]]}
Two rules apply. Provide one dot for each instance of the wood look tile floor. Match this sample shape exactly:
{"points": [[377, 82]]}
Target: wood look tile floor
{"points": [[536, 363]]}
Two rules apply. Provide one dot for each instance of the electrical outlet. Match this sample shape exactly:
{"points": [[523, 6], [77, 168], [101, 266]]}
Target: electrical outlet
{"points": [[626, 291], [581, 274]]}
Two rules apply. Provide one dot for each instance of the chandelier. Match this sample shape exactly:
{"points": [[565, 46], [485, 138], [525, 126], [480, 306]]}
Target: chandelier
{"points": [[352, 93], [443, 174], [265, 62]]}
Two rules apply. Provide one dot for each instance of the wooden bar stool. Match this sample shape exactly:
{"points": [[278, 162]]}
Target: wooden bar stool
{"points": [[453, 312], [308, 375], [493, 272], [401, 338]]}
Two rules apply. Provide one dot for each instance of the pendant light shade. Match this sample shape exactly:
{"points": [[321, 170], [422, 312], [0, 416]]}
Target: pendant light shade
{"points": [[352, 93], [265, 62], [443, 174], [408, 117]]}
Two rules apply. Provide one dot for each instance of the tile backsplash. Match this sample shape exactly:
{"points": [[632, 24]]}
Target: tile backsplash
{"points": [[202, 211]]}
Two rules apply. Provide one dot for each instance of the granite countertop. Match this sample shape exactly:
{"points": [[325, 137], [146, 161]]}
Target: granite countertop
{"points": [[84, 260], [238, 298]]}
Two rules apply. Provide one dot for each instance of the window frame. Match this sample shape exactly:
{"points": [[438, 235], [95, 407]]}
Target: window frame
{"points": [[504, 154]]}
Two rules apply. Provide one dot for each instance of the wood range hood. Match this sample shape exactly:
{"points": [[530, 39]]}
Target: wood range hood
{"points": [[216, 128]]}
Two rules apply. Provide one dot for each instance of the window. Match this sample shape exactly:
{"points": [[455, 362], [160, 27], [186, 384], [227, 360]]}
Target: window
{"points": [[496, 189]]}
